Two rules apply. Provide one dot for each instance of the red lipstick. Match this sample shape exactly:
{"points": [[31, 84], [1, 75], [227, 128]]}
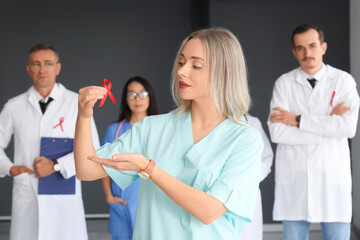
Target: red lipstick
{"points": [[183, 85]]}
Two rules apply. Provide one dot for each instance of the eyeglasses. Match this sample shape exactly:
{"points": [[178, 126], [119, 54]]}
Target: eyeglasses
{"points": [[142, 95], [37, 66]]}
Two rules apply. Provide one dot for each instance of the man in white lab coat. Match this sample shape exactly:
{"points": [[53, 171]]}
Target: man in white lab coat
{"points": [[314, 110], [47, 109]]}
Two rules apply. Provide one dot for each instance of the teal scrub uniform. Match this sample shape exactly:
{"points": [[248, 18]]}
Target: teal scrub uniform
{"points": [[225, 164]]}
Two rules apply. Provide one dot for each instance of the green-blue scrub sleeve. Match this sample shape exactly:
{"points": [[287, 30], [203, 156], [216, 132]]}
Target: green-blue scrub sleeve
{"points": [[238, 182], [129, 142]]}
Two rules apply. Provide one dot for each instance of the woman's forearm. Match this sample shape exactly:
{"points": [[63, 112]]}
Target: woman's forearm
{"points": [[199, 204]]}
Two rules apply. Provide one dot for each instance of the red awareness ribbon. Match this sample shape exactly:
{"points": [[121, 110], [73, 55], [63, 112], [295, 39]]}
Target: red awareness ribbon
{"points": [[60, 123], [108, 93]]}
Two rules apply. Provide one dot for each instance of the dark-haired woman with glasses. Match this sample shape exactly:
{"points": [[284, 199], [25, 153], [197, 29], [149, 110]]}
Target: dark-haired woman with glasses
{"points": [[137, 101]]}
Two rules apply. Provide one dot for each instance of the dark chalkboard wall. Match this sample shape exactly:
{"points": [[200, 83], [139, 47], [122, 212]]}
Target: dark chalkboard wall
{"points": [[96, 40], [119, 39]]}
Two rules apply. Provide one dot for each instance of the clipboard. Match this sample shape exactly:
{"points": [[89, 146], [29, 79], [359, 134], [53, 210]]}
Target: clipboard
{"points": [[54, 148]]}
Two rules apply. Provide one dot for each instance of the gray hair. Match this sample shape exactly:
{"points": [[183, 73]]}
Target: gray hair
{"points": [[39, 47]]}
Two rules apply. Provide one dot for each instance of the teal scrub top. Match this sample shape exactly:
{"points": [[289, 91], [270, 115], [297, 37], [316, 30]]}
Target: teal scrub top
{"points": [[224, 164]]}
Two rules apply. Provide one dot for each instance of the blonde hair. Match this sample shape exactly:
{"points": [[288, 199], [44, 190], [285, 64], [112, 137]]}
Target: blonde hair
{"points": [[226, 68]]}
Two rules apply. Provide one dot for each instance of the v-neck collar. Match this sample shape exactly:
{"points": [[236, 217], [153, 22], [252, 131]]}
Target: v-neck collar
{"points": [[189, 131], [193, 152]]}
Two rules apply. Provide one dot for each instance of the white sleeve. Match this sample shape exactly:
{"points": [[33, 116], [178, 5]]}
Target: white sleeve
{"points": [[282, 133], [67, 163], [6, 130], [334, 125], [267, 154]]}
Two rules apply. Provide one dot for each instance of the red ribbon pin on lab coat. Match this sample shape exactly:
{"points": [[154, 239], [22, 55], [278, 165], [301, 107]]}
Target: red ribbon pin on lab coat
{"points": [[108, 87], [60, 124]]}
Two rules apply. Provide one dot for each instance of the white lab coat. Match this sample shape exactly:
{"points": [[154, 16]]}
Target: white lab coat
{"points": [[254, 230], [312, 170], [41, 216]]}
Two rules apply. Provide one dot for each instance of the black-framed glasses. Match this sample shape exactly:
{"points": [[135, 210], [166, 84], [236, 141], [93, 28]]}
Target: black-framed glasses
{"points": [[142, 95], [37, 66]]}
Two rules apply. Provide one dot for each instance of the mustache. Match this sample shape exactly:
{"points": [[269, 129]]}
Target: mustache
{"points": [[306, 58]]}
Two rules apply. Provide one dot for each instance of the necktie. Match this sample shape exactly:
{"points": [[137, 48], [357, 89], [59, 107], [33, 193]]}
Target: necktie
{"points": [[312, 82], [44, 105]]}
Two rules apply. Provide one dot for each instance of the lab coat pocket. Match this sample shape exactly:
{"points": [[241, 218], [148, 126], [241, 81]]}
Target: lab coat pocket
{"points": [[338, 177], [22, 187], [284, 166], [336, 168]]}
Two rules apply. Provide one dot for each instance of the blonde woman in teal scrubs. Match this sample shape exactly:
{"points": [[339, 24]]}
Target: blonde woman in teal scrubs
{"points": [[199, 164]]}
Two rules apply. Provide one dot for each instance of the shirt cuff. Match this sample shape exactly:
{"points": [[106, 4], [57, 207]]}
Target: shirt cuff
{"points": [[5, 168], [67, 165], [233, 201]]}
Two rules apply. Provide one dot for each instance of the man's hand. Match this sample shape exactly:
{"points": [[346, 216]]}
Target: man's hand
{"points": [[16, 170], [43, 167], [283, 116], [340, 109]]}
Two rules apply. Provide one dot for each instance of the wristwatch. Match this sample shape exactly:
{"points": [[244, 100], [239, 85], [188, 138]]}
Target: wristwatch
{"points": [[298, 118], [56, 166], [146, 172]]}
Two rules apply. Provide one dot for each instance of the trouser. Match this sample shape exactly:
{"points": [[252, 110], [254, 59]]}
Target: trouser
{"points": [[299, 230]]}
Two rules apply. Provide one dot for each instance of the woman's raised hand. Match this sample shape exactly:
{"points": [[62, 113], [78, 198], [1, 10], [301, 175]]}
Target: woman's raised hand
{"points": [[87, 99], [123, 162]]}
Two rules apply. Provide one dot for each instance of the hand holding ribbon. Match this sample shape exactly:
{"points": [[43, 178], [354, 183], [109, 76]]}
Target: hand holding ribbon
{"points": [[108, 93], [87, 99]]}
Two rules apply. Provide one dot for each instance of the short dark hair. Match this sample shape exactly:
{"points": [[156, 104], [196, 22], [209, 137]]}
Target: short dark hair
{"points": [[125, 112], [304, 28], [41, 46]]}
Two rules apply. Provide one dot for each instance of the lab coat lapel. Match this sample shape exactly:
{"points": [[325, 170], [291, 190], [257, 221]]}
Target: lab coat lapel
{"points": [[55, 94], [301, 79], [33, 100], [54, 114]]}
